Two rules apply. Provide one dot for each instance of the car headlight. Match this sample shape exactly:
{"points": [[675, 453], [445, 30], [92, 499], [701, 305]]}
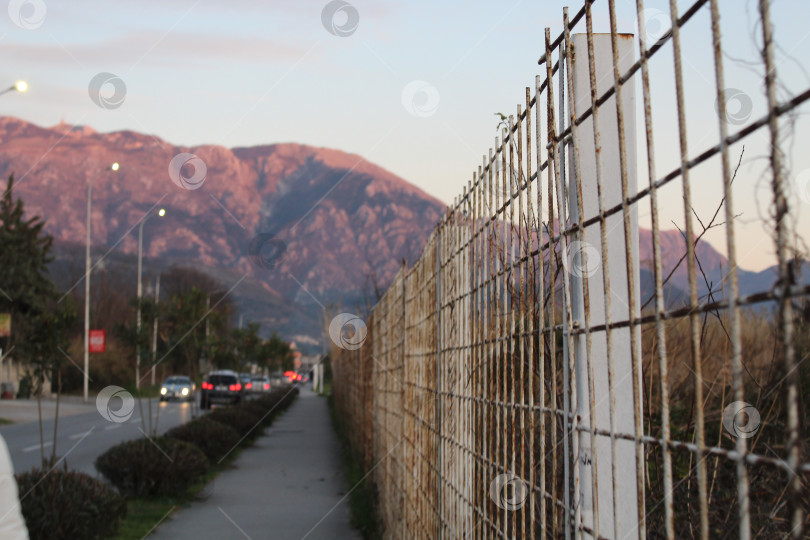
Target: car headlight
{"points": [[163, 391], [184, 391]]}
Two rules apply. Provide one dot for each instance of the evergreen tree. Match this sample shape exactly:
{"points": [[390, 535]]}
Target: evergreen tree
{"points": [[40, 320], [24, 255]]}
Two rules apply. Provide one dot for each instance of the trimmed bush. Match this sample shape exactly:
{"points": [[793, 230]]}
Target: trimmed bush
{"points": [[139, 467], [249, 418], [245, 422], [61, 504], [214, 438], [259, 411], [273, 398]]}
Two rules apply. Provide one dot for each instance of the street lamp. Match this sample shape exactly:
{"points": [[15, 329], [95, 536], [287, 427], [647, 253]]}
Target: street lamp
{"points": [[155, 325], [113, 167], [205, 361], [160, 213], [19, 86]]}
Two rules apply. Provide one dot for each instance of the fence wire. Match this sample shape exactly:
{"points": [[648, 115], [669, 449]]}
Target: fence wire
{"points": [[517, 382]]}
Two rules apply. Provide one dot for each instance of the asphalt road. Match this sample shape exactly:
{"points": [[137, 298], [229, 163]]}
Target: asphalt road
{"points": [[81, 438]]}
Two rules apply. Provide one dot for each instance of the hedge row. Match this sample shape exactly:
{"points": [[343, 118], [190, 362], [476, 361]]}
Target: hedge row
{"points": [[65, 504], [170, 465]]}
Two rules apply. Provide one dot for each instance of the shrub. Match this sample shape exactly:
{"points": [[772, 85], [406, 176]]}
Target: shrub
{"points": [[215, 439], [287, 394], [258, 410], [61, 504], [246, 423], [160, 466], [276, 401], [249, 418]]}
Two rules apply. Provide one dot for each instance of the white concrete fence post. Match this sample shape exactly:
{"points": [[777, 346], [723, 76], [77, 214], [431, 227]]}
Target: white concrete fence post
{"points": [[626, 516], [316, 378]]}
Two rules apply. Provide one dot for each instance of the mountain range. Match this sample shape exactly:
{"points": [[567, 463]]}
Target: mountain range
{"points": [[297, 227]]}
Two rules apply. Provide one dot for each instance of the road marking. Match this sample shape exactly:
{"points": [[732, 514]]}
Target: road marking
{"points": [[36, 446], [114, 426]]}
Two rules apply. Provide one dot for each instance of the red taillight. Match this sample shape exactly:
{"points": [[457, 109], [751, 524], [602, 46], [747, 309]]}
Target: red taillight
{"points": [[207, 386], [235, 387], [267, 386], [249, 385]]}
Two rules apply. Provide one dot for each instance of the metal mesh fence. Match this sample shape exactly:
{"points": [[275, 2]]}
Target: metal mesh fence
{"points": [[530, 376]]}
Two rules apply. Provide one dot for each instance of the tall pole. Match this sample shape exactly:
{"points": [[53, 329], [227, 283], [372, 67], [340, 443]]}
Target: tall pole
{"points": [[113, 167], [155, 329], [205, 350], [87, 293], [138, 320]]}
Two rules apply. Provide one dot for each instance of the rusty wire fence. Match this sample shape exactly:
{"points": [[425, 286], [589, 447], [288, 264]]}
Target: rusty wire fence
{"points": [[531, 377]]}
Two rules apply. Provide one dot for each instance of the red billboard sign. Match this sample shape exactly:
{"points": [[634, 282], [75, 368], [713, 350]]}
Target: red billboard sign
{"points": [[98, 340]]}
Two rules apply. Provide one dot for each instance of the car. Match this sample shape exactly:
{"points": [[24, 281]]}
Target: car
{"points": [[260, 383], [221, 387], [177, 387], [247, 381], [277, 379]]}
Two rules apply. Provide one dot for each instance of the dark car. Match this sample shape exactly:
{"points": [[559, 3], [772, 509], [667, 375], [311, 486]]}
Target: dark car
{"points": [[177, 387], [221, 387]]}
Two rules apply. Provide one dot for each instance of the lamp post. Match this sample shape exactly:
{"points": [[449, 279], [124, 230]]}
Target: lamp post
{"points": [[19, 86], [155, 329], [205, 361], [113, 167], [160, 213]]}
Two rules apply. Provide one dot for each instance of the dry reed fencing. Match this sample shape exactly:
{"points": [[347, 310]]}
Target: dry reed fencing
{"points": [[518, 382]]}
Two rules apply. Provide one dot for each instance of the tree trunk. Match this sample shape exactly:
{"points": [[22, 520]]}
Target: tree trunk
{"points": [[56, 418], [41, 435]]}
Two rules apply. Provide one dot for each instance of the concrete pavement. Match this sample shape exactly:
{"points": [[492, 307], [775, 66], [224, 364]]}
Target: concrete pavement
{"points": [[288, 485]]}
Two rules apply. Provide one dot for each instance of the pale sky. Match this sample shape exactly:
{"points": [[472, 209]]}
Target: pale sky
{"points": [[243, 73]]}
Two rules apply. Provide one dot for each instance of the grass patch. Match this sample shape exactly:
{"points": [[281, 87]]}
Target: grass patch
{"points": [[362, 499], [5, 422], [142, 516]]}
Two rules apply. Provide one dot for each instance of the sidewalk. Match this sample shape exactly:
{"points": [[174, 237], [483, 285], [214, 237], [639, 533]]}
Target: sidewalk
{"points": [[288, 485], [20, 411]]}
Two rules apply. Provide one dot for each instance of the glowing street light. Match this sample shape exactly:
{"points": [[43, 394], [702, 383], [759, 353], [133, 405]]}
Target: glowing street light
{"points": [[19, 86]]}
